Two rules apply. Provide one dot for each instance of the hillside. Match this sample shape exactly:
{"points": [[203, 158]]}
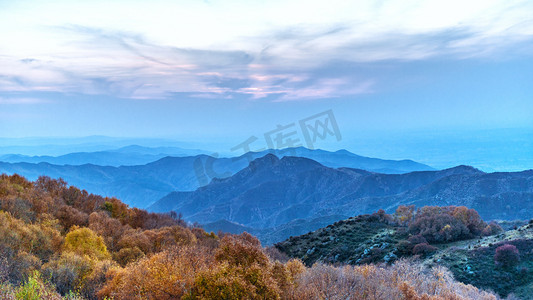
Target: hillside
{"points": [[58, 242], [380, 238], [269, 236]]}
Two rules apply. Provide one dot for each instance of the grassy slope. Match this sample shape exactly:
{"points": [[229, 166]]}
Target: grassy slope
{"points": [[365, 239], [472, 262], [357, 240]]}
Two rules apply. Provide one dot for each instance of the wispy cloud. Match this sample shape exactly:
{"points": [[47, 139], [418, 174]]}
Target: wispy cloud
{"points": [[273, 51], [21, 100]]}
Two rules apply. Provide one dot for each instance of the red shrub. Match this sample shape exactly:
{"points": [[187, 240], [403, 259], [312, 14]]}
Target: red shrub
{"points": [[423, 249], [507, 255]]}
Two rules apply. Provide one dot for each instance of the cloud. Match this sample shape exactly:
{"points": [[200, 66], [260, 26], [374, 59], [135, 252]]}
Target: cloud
{"points": [[277, 51], [21, 100], [329, 88]]}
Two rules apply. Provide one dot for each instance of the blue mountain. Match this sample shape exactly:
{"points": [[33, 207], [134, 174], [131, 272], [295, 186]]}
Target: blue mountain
{"points": [[117, 174]]}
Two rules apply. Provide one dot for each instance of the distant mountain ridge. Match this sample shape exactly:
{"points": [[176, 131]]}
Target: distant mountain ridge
{"points": [[344, 158], [126, 156], [138, 155], [272, 192], [300, 187], [141, 185]]}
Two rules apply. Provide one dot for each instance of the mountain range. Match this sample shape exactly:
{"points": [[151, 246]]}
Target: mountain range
{"points": [[124, 173], [125, 156], [273, 192]]}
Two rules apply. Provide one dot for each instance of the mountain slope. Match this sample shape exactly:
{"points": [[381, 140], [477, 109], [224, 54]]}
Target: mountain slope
{"points": [[370, 238], [506, 196], [140, 185], [258, 194], [271, 192]]}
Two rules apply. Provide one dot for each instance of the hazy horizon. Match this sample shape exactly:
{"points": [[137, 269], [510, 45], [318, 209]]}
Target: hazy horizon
{"points": [[439, 83], [487, 150]]}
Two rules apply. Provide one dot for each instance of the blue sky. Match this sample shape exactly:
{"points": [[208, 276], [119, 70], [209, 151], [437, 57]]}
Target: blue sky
{"points": [[224, 70]]}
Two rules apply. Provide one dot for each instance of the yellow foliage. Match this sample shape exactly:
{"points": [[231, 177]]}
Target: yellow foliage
{"points": [[166, 275], [84, 241], [243, 250], [227, 281], [41, 240]]}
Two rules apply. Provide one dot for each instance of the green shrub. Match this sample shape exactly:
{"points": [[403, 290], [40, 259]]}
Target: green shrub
{"points": [[35, 288]]}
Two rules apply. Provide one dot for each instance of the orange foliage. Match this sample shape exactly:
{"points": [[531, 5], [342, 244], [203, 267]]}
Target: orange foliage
{"points": [[99, 247], [166, 275]]}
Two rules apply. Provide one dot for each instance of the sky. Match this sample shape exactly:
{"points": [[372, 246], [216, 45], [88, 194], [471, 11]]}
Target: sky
{"points": [[223, 71]]}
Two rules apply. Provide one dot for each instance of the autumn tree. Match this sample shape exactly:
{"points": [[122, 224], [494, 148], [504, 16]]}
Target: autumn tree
{"points": [[111, 230], [507, 255], [243, 271], [491, 229], [83, 241], [445, 224], [72, 272], [24, 245], [166, 275], [404, 214]]}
